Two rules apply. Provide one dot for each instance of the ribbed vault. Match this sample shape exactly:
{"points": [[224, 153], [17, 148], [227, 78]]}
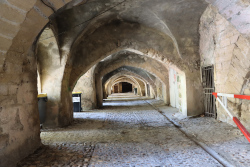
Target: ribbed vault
{"points": [[63, 40]]}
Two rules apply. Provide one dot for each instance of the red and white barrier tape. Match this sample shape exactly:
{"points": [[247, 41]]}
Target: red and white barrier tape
{"points": [[232, 96], [235, 119]]}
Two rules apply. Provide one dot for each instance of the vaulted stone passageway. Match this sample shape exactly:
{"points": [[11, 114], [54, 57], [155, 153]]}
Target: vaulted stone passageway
{"points": [[169, 51]]}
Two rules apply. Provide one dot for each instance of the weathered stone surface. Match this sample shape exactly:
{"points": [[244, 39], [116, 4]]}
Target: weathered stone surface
{"points": [[8, 29], [226, 48], [243, 45], [10, 13], [4, 140], [86, 85], [57, 3], [5, 43], [24, 5], [43, 10], [4, 89], [51, 66]]}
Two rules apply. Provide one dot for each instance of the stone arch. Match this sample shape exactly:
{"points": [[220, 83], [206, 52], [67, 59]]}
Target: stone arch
{"points": [[130, 44], [131, 41], [146, 65], [136, 73], [141, 81], [51, 69], [86, 85], [123, 78]]}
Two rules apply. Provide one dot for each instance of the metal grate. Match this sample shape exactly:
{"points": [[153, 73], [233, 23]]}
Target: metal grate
{"points": [[208, 89]]}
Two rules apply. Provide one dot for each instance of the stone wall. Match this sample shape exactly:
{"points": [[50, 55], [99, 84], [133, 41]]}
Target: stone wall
{"points": [[51, 67], [159, 89], [86, 85], [21, 22], [139, 82], [227, 49], [19, 118], [182, 93]]}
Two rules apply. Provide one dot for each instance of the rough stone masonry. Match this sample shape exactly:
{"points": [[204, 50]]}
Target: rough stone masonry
{"points": [[47, 45]]}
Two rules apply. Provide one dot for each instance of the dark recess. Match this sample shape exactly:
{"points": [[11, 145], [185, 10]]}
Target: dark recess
{"points": [[126, 87]]}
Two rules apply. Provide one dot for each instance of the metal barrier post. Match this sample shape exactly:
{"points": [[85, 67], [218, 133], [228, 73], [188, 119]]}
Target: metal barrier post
{"points": [[235, 119]]}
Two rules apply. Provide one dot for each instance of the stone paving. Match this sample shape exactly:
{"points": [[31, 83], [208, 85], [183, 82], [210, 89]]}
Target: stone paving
{"points": [[123, 133], [78, 154], [225, 139]]}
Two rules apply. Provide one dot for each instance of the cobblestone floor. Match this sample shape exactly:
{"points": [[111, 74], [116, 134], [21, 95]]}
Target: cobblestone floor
{"points": [[77, 154], [123, 133], [225, 139]]}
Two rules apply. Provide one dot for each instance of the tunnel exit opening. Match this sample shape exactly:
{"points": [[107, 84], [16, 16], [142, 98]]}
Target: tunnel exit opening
{"points": [[126, 87]]}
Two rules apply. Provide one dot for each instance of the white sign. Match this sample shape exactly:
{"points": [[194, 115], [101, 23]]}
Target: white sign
{"points": [[76, 99]]}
